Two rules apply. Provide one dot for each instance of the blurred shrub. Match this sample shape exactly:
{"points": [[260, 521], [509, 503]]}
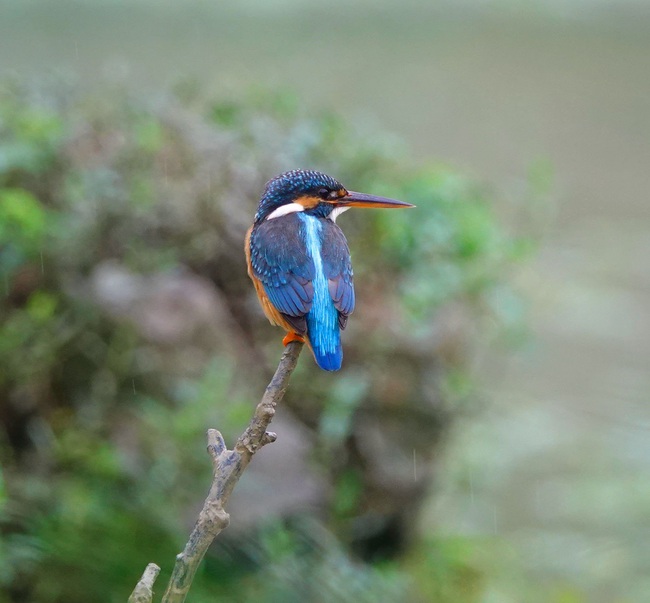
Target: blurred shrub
{"points": [[128, 326]]}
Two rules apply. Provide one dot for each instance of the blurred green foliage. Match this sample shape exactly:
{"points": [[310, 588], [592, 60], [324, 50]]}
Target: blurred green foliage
{"points": [[128, 327]]}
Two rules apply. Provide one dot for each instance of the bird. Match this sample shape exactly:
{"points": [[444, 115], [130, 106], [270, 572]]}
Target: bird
{"points": [[299, 261]]}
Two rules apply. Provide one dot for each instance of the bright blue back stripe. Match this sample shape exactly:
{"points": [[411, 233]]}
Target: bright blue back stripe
{"points": [[322, 320]]}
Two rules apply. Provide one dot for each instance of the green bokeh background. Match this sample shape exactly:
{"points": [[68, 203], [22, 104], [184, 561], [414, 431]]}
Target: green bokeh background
{"points": [[500, 348]]}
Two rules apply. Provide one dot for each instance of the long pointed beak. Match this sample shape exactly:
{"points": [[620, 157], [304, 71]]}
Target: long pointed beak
{"points": [[353, 199]]}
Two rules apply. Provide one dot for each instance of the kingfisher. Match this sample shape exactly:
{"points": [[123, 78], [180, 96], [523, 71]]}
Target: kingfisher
{"points": [[299, 260]]}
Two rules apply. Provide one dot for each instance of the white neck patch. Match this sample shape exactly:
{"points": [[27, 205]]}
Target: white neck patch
{"points": [[336, 212], [283, 210]]}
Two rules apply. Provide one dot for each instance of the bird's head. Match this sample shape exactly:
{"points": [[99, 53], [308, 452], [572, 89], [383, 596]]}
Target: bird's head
{"points": [[314, 193]]}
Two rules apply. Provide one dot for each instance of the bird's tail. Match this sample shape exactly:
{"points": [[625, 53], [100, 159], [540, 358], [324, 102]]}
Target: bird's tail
{"points": [[325, 342]]}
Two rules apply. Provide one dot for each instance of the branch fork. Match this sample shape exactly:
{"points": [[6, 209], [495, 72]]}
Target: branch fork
{"points": [[228, 465]]}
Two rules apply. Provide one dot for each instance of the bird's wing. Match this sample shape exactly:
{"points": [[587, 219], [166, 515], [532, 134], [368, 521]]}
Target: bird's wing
{"points": [[280, 261], [338, 270]]}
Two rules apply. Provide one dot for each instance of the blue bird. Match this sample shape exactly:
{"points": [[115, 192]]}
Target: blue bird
{"points": [[299, 261]]}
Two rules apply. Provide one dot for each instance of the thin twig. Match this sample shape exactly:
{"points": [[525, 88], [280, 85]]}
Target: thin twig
{"points": [[143, 591], [228, 466]]}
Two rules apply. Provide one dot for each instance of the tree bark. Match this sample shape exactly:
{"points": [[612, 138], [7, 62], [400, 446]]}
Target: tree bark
{"points": [[228, 466]]}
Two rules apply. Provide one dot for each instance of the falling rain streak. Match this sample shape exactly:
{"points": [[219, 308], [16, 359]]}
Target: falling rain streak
{"points": [[471, 488], [415, 468]]}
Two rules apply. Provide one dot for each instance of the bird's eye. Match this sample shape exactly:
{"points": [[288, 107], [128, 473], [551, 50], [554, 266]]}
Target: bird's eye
{"points": [[323, 193]]}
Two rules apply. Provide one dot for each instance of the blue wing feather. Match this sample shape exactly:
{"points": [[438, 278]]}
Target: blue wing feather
{"points": [[280, 261], [304, 265], [338, 268]]}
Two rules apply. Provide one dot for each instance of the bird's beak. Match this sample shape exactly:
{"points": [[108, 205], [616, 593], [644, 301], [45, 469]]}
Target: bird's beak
{"points": [[353, 199]]}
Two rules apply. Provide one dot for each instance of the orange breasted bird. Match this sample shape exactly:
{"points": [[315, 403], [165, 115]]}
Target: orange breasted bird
{"points": [[299, 261]]}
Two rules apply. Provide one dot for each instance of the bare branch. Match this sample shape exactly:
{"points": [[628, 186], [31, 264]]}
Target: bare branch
{"points": [[228, 466], [143, 591]]}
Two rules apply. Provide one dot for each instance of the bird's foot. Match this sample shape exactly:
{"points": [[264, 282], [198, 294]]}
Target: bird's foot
{"points": [[289, 337]]}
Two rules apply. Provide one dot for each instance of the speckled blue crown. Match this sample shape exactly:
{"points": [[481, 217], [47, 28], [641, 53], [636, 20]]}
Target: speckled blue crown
{"points": [[291, 185]]}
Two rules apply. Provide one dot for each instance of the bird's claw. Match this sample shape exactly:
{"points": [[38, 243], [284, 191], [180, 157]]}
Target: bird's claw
{"points": [[289, 337]]}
